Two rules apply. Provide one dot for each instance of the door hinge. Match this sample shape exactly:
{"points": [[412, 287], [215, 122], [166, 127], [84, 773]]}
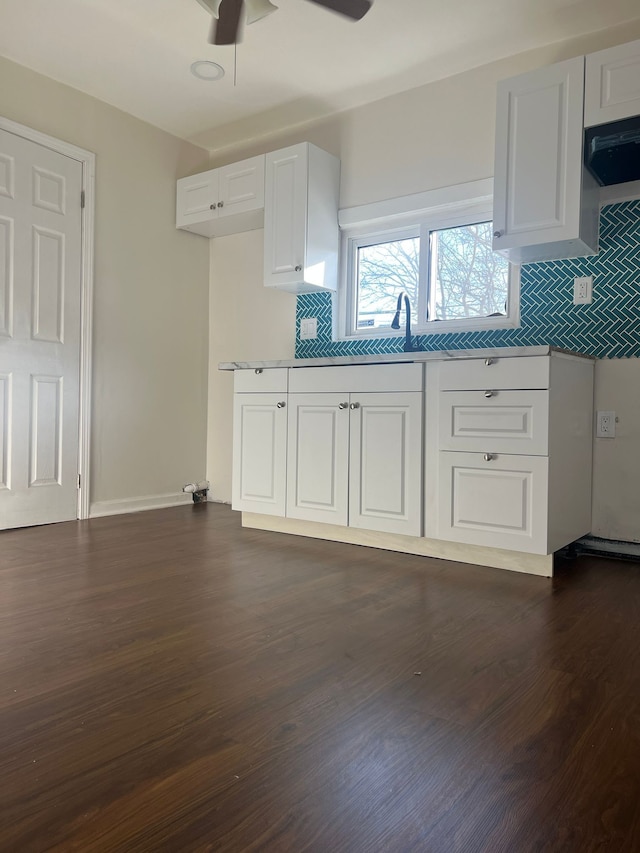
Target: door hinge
{"points": [[78, 480], [82, 199]]}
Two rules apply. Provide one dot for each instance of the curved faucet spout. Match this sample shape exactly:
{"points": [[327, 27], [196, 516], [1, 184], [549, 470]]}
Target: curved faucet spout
{"points": [[395, 323]]}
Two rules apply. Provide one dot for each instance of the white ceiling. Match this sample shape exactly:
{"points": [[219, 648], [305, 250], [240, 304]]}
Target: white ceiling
{"points": [[298, 64]]}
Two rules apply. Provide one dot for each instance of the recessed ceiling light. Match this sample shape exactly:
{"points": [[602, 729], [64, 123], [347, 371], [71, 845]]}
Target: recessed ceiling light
{"points": [[206, 70]]}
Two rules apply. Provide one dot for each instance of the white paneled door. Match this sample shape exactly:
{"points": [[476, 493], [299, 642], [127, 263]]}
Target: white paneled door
{"points": [[40, 277]]}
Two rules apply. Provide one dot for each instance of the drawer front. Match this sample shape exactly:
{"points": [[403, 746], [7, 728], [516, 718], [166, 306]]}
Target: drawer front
{"points": [[500, 502], [495, 373], [370, 377], [271, 380], [505, 422]]}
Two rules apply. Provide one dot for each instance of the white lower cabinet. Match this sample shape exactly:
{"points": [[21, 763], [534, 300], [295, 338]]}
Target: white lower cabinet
{"points": [[508, 461], [259, 479], [328, 452], [491, 453], [355, 459]]}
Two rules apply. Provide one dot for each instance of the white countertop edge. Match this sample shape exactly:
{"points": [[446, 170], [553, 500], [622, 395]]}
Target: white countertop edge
{"points": [[391, 358]]}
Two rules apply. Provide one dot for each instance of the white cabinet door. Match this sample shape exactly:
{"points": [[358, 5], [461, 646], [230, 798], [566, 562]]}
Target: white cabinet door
{"points": [[241, 187], [385, 472], [222, 201], [197, 199], [301, 235], [545, 203], [259, 453], [495, 500], [318, 458], [612, 87], [285, 216]]}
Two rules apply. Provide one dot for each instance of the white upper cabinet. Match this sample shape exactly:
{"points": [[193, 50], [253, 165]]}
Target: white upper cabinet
{"points": [[612, 88], [545, 201], [222, 201], [301, 238]]}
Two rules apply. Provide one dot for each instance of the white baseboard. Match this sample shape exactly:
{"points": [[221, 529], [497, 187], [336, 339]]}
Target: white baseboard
{"points": [[124, 505], [515, 561]]}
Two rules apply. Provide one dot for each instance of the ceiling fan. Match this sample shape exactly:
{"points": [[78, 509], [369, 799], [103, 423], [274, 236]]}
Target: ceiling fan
{"points": [[227, 14]]}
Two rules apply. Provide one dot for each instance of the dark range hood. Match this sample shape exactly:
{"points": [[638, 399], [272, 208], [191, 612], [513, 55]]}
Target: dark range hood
{"points": [[612, 151]]}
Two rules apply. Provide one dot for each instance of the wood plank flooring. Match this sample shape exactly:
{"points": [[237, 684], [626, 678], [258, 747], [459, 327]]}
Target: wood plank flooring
{"points": [[171, 682]]}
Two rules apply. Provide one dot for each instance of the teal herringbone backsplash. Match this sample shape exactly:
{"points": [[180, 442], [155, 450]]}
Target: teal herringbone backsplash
{"points": [[608, 328]]}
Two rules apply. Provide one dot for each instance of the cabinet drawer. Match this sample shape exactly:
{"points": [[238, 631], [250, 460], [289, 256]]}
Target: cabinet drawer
{"points": [[500, 502], [357, 378], [505, 422], [270, 380], [494, 373]]}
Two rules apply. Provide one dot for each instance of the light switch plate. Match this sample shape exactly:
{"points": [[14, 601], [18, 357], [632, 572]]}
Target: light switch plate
{"points": [[308, 328], [582, 290]]}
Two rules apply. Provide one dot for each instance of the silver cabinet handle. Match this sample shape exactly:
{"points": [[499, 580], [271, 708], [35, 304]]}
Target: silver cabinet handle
{"points": [[488, 393], [298, 268], [280, 405], [489, 361], [354, 406], [498, 233], [220, 204], [343, 405], [212, 206], [489, 457], [258, 371]]}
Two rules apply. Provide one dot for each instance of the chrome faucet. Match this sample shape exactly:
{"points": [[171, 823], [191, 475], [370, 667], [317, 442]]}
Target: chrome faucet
{"points": [[395, 323]]}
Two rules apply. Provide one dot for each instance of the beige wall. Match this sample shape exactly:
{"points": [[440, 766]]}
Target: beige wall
{"points": [[151, 291], [429, 137], [247, 322]]}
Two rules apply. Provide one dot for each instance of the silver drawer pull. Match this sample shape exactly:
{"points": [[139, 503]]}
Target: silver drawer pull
{"points": [[354, 406], [489, 457], [280, 405], [258, 371], [489, 361], [343, 405], [489, 393]]}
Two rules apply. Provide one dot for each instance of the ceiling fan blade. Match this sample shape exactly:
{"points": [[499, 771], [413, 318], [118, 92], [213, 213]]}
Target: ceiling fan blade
{"points": [[226, 29], [355, 9]]}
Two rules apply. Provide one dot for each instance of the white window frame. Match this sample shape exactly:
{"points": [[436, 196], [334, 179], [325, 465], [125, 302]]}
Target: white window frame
{"points": [[396, 226]]}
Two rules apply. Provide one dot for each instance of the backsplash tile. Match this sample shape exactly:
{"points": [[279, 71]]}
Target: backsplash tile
{"points": [[608, 328]]}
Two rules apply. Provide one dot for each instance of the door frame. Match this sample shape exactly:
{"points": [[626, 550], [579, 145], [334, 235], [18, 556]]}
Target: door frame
{"points": [[87, 159]]}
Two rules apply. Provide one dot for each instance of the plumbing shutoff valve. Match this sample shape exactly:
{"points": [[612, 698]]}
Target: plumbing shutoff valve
{"points": [[198, 491]]}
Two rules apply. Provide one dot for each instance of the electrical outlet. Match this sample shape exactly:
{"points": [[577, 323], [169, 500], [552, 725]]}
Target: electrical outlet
{"points": [[606, 425], [582, 290], [308, 328]]}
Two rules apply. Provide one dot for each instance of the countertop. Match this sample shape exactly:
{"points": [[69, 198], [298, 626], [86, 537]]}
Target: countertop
{"points": [[392, 358]]}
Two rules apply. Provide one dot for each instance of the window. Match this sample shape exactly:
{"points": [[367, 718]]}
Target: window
{"points": [[455, 282]]}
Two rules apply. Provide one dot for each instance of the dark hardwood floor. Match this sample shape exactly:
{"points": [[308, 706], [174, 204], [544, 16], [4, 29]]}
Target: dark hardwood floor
{"points": [[171, 682]]}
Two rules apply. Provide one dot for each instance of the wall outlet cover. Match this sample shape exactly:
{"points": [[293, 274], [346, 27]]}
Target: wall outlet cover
{"points": [[582, 290], [606, 425], [308, 328]]}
